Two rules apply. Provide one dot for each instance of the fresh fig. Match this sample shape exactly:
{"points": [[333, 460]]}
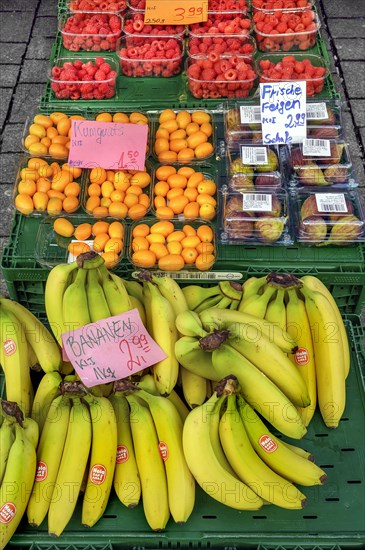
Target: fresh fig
{"points": [[313, 229], [271, 180], [272, 163], [311, 175], [336, 154], [309, 208], [239, 182], [336, 174], [233, 119], [350, 210], [296, 158], [275, 209], [240, 226], [238, 167], [323, 132], [269, 229], [346, 230], [329, 121], [234, 204]]}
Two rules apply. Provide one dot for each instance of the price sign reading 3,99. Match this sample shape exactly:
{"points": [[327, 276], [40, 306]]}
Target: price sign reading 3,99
{"points": [[175, 12]]}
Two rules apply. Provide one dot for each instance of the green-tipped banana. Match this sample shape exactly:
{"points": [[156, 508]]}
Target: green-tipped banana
{"points": [[135, 303], [231, 289], [275, 312], [115, 292], [170, 289], [194, 387], [48, 389], [251, 287], [75, 306], [195, 295], [188, 323], [96, 301], [213, 301], [257, 303], [190, 355], [7, 438], [134, 289], [31, 430], [58, 281]]}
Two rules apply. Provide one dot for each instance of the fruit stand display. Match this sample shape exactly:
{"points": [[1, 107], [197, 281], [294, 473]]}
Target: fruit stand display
{"points": [[233, 419]]}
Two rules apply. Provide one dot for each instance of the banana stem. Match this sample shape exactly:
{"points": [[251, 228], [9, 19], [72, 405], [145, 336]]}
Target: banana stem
{"points": [[10, 408], [214, 340]]}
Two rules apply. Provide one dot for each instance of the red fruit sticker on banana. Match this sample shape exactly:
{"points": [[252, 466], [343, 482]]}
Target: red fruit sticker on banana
{"points": [[267, 443], [7, 512], [9, 347], [301, 357], [42, 471], [97, 474], [164, 450], [122, 454]]}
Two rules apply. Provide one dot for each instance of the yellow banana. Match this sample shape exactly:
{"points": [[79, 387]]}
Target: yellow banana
{"points": [[190, 355], [312, 283], [96, 301], [150, 466], [248, 465], [102, 459], [277, 456], [75, 307], [180, 482], [275, 312], [17, 484], [170, 289], [127, 484], [14, 360], [49, 454], [31, 430], [57, 281], [203, 463], [164, 330], [194, 387], [72, 467], [298, 450], [179, 404], [188, 323], [195, 294], [7, 437], [38, 336], [257, 303], [251, 287], [135, 303], [215, 415], [115, 292], [48, 389], [259, 391], [303, 359], [216, 318], [134, 289], [273, 362]]}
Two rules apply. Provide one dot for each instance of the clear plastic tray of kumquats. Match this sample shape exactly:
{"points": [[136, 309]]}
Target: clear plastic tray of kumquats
{"points": [[61, 240], [47, 187], [172, 245], [117, 193], [183, 136], [184, 192]]}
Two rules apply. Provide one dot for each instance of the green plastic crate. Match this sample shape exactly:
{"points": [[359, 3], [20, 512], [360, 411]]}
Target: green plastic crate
{"points": [[154, 92], [333, 518]]}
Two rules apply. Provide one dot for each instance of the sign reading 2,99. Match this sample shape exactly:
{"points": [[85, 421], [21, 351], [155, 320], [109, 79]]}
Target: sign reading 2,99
{"points": [[175, 12]]}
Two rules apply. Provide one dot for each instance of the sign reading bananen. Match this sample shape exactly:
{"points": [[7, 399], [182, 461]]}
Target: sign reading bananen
{"points": [[111, 349]]}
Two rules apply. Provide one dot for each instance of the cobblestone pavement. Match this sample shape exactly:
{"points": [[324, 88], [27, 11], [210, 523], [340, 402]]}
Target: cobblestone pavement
{"points": [[28, 28]]}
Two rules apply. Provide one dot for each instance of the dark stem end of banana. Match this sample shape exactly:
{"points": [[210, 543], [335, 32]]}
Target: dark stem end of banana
{"points": [[144, 276], [36, 367], [89, 260], [227, 386], [231, 289], [214, 340], [11, 408], [125, 386], [73, 389], [283, 280]]}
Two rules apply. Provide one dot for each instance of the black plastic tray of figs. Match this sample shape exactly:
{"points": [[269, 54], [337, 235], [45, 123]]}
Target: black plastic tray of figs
{"points": [[252, 165], [327, 216], [321, 162]]}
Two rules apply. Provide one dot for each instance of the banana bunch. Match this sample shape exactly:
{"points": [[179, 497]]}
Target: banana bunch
{"points": [[150, 458], [76, 452], [25, 343], [84, 291], [226, 294], [237, 461], [18, 442]]}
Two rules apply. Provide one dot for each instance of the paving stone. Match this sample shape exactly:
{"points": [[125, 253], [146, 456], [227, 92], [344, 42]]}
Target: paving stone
{"points": [[35, 70], [12, 138], [48, 8], [18, 5], [358, 109], [25, 101], [39, 47], [45, 26], [11, 53], [346, 28], [338, 8], [350, 49], [15, 27], [5, 98], [9, 75], [7, 209], [8, 169], [354, 75], [362, 135]]}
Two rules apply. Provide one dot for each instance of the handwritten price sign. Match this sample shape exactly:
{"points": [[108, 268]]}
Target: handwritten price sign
{"points": [[283, 112], [111, 349], [175, 12], [109, 145]]}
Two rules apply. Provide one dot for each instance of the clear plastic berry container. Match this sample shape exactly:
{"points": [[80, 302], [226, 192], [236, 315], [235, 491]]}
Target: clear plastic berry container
{"points": [[42, 187], [105, 6], [224, 21], [275, 6], [256, 166], [138, 5], [183, 136], [191, 248], [151, 56], [328, 217], [205, 81], [218, 44], [319, 162], [134, 25], [90, 31], [301, 39], [252, 217], [117, 193], [280, 67], [105, 88], [53, 248], [185, 192]]}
